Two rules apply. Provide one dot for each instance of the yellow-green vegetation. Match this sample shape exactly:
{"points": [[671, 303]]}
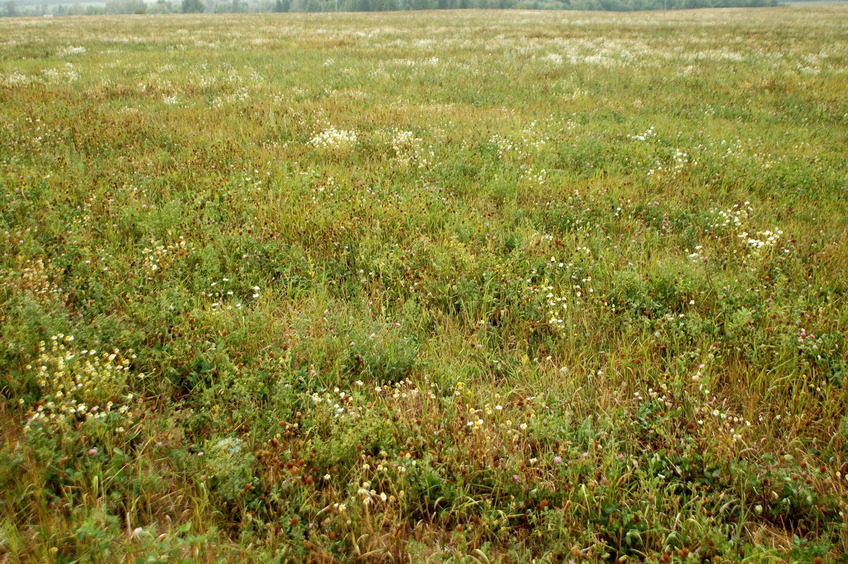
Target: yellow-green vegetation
{"points": [[477, 286]]}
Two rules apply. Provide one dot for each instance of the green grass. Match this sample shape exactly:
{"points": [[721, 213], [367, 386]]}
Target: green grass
{"points": [[464, 286]]}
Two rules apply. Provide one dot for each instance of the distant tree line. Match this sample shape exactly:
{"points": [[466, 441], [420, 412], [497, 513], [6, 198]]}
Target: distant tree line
{"points": [[11, 8]]}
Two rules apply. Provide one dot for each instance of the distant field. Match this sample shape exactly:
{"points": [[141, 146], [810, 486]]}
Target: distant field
{"points": [[473, 287], [816, 3]]}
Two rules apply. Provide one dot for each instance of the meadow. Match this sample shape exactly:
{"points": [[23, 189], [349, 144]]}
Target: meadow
{"points": [[444, 286]]}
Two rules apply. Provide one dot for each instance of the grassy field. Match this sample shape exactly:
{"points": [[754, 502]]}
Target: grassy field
{"points": [[473, 287]]}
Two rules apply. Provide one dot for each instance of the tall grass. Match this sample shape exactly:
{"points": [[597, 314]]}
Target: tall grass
{"points": [[467, 286]]}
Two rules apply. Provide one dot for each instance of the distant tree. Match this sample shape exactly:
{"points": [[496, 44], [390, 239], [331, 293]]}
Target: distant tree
{"points": [[78, 10], [160, 7], [125, 7], [192, 6], [281, 5], [10, 9]]}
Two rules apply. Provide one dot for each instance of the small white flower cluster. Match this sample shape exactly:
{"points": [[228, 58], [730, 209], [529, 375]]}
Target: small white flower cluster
{"points": [[680, 160], [535, 177], [586, 286], [39, 279], [369, 495], [325, 188], [731, 220], [16, 79], [415, 63], [678, 163], [532, 138], [661, 396], [70, 50], [339, 402], [648, 134], [409, 149], [696, 256], [224, 292], [508, 148], [732, 425], [735, 221], [719, 420], [79, 385], [553, 58], [763, 239], [159, 255], [554, 305], [333, 138], [62, 75], [240, 94]]}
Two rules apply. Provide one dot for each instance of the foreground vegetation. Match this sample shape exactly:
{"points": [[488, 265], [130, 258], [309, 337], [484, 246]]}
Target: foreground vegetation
{"points": [[473, 286]]}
